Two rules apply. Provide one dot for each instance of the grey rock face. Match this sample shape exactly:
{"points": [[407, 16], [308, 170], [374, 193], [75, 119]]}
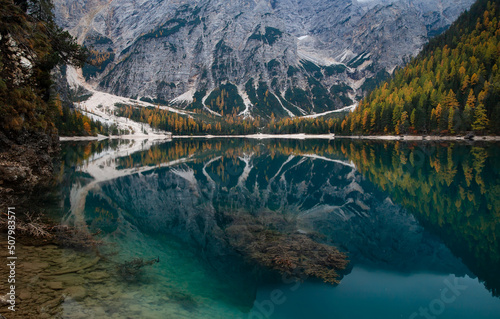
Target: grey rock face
{"points": [[387, 30], [19, 59], [165, 49]]}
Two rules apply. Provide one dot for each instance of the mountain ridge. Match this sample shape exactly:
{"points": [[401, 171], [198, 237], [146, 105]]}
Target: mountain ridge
{"points": [[311, 57]]}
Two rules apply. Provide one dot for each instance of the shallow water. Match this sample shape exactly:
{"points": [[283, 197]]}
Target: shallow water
{"points": [[418, 222]]}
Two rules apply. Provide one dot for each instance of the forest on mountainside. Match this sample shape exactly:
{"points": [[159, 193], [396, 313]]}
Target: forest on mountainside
{"points": [[202, 123], [31, 47], [453, 86]]}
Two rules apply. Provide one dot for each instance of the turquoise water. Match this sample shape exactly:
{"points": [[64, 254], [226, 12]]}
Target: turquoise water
{"points": [[381, 294], [418, 223]]}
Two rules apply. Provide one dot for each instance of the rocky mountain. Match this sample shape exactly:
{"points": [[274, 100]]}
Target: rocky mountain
{"points": [[286, 57]]}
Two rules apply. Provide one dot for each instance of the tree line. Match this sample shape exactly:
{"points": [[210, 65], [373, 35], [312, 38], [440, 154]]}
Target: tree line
{"points": [[451, 87], [176, 123]]}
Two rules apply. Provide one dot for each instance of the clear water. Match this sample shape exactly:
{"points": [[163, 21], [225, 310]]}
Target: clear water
{"points": [[419, 223]]}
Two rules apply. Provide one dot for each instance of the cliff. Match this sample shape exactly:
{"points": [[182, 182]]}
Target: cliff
{"points": [[282, 57]]}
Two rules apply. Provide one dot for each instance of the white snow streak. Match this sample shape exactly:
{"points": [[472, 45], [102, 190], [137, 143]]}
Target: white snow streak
{"points": [[344, 109]]}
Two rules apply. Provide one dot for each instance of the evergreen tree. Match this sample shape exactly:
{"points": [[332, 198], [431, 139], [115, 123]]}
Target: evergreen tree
{"points": [[480, 119]]}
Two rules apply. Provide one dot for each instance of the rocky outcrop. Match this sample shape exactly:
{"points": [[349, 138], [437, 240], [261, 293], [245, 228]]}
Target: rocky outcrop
{"points": [[20, 60], [314, 55], [25, 163], [382, 32]]}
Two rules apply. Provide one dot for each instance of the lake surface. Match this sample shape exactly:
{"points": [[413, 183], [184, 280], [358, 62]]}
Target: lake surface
{"points": [[418, 222]]}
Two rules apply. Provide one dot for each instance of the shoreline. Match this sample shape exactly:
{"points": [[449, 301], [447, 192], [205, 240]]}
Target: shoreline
{"points": [[79, 138], [100, 137], [299, 136], [488, 138]]}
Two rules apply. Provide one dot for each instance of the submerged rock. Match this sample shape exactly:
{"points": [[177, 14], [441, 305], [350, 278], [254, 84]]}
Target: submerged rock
{"points": [[55, 285], [24, 295], [76, 292], [97, 275], [35, 266], [71, 279]]}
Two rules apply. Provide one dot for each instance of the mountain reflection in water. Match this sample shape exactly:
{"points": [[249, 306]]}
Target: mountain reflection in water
{"points": [[205, 205]]}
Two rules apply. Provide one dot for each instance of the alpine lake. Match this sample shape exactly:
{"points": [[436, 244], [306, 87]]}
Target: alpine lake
{"points": [[200, 228]]}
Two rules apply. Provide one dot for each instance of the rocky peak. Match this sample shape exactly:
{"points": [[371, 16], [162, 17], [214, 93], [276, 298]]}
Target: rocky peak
{"points": [[310, 56]]}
